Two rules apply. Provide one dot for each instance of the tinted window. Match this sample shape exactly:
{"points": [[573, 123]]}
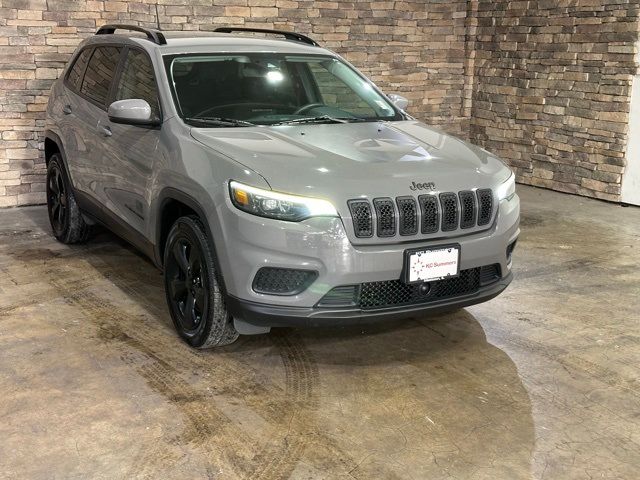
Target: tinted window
{"points": [[331, 78], [268, 88], [76, 72], [100, 72], [137, 81]]}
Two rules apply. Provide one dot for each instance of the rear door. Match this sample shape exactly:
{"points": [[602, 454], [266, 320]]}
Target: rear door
{"points": [[131, 151], [68, 120], [91, 112]]}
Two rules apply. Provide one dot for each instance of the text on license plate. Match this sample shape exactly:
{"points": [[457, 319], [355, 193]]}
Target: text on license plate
{"points": [[433, 264]]}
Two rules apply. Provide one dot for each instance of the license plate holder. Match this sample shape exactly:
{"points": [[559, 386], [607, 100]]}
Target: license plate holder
{"points": [[428, 264]]}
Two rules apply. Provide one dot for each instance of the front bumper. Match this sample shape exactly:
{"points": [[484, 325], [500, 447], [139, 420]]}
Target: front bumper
{"points": [[249, 243], [260, 314]]}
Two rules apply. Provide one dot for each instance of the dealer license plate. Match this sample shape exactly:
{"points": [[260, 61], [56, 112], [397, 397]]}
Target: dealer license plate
{"points": [[430, 264]]}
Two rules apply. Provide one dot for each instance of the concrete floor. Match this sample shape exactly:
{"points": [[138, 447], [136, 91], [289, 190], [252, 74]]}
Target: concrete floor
{"points": [[542, 382]]}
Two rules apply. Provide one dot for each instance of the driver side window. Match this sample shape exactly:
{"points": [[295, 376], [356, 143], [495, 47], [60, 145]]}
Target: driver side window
{"points": [[138, 81]]}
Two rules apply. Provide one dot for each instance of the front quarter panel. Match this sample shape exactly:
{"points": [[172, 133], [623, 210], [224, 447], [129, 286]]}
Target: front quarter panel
{"points": [[195, 172]]}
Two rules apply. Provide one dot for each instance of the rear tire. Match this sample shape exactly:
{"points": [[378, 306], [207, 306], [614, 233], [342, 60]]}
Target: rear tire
{"points": [[64, 214], [196, 301]]}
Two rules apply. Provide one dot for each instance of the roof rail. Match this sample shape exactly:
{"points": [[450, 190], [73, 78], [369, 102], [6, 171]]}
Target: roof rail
{"points": [[156, 36], [298, 37]]}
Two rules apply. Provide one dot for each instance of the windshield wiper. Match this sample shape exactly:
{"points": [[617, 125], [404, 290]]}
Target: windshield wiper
{"points": [[322, 119], [221, 121]]}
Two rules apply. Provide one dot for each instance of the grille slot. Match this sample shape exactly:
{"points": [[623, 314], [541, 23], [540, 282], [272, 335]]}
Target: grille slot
{"points": [[408, 213], [429, 213], [467, 209], [449, 202], [362, 219], [386, 217], [282, 281], [394, 293], [485, 209]]}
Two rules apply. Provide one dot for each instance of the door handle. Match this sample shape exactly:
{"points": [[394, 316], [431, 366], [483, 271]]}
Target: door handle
{"points": [[66, 109], [106, 131]]}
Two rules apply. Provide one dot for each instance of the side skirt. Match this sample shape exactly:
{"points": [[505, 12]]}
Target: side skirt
{"points": [[99, 214]]}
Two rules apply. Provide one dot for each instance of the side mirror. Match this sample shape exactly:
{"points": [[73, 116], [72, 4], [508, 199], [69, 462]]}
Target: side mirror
{"points": [[134, 111], [399, 101]]}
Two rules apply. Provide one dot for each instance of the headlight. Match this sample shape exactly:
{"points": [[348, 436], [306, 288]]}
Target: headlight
{"points": [[281, 206], [507, 189]]}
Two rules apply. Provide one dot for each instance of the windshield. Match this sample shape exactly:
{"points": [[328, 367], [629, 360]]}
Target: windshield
{"points": [[268, 89]]}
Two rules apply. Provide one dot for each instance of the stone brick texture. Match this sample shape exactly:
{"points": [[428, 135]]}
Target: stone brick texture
{"points": [[552, 90], [543, 84]]}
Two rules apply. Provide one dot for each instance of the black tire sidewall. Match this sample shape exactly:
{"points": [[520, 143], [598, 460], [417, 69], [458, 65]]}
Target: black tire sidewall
{"points": [[190, 228]]}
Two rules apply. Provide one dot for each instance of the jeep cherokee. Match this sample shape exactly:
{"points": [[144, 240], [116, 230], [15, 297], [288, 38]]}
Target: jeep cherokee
{"points": [[273, 183]]}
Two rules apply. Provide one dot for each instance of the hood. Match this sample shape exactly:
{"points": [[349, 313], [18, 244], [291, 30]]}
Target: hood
{"points": [[343, 161]]}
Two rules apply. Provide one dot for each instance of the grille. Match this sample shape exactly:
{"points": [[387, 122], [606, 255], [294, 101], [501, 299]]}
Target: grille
{"points": [[449, 204], [429, 210], [395, 292], [282, 281], [408, 211], [485, 200], [467, 209], [431, 213], [386, 217], [362, 221]]}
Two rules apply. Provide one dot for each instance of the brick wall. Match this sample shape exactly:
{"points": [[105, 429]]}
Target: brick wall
{"points": [[543, 84], [552, 90], [413, 47]]}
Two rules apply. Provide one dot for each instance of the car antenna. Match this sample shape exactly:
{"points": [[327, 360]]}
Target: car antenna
{"points": [[157, 18]]}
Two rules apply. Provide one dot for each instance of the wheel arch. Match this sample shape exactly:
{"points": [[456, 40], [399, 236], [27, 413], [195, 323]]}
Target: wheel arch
{"points": [[53, 144], [173, 204]]}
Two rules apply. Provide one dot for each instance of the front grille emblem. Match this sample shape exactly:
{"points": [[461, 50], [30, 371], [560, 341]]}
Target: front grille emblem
{"points": [[422, 186]]}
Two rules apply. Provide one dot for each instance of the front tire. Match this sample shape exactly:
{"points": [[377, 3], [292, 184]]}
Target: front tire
{"points": [[64, 214], [192, 288]]}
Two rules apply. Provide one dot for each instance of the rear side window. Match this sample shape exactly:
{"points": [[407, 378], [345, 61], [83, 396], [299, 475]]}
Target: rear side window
{"points": [[138, 81], [100, 72], [76, 72]]}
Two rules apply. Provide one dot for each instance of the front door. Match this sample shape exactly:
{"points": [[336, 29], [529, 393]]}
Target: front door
{"points": [[129, 152]]}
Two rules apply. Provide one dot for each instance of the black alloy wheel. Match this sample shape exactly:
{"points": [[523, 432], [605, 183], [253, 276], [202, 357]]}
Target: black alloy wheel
{"points": [[188, 289], [193, 286], [67, 221], [57, 199]]}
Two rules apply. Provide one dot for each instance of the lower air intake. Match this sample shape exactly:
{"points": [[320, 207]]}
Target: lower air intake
{"points": [[395, 293], [490, 274]]}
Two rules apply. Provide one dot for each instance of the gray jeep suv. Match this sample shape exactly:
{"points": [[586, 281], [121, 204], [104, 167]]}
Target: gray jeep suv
{"points": [[273, 183]]}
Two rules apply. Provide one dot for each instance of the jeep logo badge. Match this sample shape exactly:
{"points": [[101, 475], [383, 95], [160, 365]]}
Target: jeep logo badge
{"points": [[422, 186]]}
